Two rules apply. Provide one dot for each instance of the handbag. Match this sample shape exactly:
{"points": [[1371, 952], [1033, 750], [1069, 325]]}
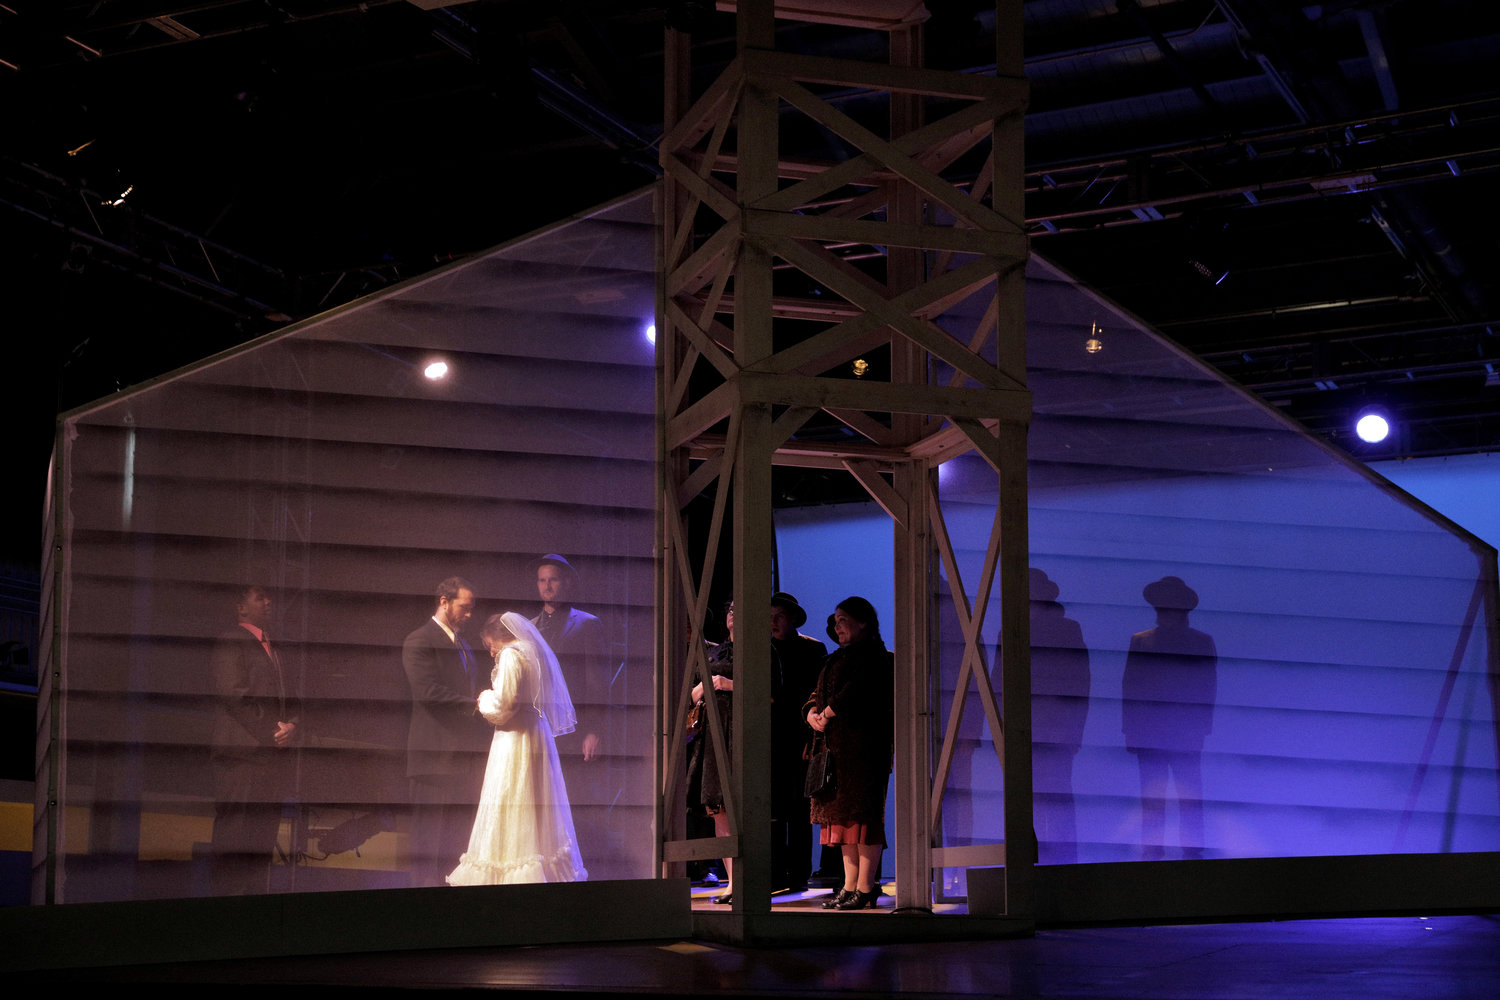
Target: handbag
{"points": [[821, 780], [694, 720]]}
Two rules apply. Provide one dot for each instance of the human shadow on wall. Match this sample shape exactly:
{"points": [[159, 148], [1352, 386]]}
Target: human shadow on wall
{"points": [[1167, 705], [1059, 709]]}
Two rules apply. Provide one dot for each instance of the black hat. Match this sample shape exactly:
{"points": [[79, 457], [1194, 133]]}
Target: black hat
{"points": [[1170, 592], [556, 560], [789, 604], [833, 633]]}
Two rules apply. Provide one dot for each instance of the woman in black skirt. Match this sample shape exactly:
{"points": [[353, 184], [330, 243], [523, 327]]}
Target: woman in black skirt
{"points": [[854, 708]]}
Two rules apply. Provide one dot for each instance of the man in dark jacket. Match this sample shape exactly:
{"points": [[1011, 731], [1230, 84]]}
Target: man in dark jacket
{"points": [[255, 728], [448, 739], [578, 640], [795, 662]]}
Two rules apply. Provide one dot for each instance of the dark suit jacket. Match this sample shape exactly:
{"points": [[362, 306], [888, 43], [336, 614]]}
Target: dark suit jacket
{"points": [[580, 650], [446, 731], [795, 665], [251, 701]]}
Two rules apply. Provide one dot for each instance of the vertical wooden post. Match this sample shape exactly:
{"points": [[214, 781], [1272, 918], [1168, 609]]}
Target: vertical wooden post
{"points": [[905, 270], [751, 777], [751, 774], [1015, 673], [670, 817]]}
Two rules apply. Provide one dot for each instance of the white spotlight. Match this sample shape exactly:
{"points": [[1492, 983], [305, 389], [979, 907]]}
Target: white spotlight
{"points": [[436, 370], [1372, 425], [651, 334]]}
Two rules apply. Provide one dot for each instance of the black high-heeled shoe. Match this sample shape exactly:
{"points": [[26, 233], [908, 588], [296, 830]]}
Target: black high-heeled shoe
{"points": [[723, 900], [836, 901], [859, 900]]}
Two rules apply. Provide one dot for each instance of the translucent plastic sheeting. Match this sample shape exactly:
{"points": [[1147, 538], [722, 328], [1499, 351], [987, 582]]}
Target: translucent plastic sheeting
{"points": [[1310, 673], [324, 465], [1330, 691]]}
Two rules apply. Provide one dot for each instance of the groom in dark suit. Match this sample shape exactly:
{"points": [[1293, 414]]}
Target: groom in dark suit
{"points": [[448, 739], [255, 728]]}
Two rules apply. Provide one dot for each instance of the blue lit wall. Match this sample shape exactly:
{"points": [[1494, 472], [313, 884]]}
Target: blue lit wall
{"points": [[1353, 713], [1465, 488]]}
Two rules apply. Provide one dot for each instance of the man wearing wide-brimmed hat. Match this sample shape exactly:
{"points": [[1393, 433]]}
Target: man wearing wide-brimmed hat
{"points": [[795, 662]]}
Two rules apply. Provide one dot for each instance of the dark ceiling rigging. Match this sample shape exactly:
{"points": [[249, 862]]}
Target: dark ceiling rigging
{"points": [[1301, 194]]}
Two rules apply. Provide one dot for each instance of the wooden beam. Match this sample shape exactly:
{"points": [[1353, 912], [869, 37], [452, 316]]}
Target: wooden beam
{"points": [[881, 76], [835, 274], [831, 346], [692, 667], [862, 423], [937, 187], [863, 332], [708, 310], [982, 438], [701, 848], [684, 220], [974, 647], [788, 168], [1015, 670], [695, 271], [717, 102], [1009, 406], [753, 565], [678, 389], [697, 481], [963, 129], [700, 416], [818, 454], [790, 307], [700, 339], [790, 422], [882, 492], [947, 442], [944, 546], [969, 856], [984, 331], [707, 189], [832, 229]]}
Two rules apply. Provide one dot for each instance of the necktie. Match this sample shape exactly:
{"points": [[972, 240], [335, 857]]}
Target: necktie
{"points": [[463, 658], [265, 642]]}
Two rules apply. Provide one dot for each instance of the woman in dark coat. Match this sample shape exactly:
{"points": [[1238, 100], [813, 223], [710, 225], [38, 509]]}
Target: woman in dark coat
{"points": [[703, 768], [853, 707]]}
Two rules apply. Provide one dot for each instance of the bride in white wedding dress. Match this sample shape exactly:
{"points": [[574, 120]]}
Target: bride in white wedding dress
{"points": [[523, 831]]}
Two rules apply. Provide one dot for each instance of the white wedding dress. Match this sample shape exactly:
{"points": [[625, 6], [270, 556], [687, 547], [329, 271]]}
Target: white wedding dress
{"points": [[523, 831]]}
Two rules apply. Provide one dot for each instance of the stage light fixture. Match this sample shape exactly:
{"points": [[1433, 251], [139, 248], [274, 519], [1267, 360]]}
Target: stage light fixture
{"points": [[1372, 424], [1094, 345], [436, 370]]}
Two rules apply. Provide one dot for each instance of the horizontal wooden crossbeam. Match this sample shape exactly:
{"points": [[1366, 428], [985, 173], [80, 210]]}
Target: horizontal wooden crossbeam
{"points": [[1008, 406], [831, 229], [701, 849], [881, 76]]}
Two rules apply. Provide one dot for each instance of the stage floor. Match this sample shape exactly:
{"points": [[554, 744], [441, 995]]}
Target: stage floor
{"points": [[1389, 958]]}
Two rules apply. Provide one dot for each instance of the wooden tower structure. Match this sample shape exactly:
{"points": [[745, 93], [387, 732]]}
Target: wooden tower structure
{"points": [[747, 358]]}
